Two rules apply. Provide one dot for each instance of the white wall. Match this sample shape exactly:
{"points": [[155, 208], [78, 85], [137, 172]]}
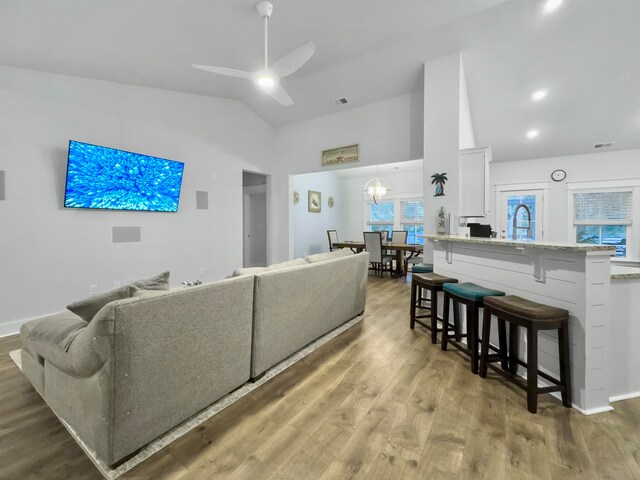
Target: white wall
{"points": [[51, 255], [624, 164], [441, 139], [353, 210], [467, 138], [387, 131], [309, 228]]}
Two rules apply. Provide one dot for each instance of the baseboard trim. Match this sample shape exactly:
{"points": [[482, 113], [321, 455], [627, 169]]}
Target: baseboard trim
{"points": [[593, 411], [12, 328], [626, 396]]}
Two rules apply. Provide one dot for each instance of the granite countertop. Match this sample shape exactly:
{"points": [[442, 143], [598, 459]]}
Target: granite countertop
{"points": [[622, 271], [578, 247]]}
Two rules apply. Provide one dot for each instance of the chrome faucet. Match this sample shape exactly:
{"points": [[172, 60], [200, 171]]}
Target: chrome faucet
{"points": [[515, 221]]}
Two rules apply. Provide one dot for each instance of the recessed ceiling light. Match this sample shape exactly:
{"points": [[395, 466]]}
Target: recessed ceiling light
{"points": [[538, 95], [551, 6], [531, 134]]}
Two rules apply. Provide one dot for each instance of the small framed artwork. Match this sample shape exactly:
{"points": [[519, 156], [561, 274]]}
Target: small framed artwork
{"points": [[315, 201], [336, 156]]}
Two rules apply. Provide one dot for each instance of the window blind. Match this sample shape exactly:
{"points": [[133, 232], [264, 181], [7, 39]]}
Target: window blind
{"points": [[413, 211], [381, 212], [602, 208]]}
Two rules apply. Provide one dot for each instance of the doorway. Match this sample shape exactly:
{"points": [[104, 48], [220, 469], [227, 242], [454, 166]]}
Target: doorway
{"points": [[520, 215], [254, 219]]}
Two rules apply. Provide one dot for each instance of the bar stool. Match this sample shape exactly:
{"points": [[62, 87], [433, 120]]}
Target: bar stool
{"points": [[433, 283], [472, 296], [520, 312], [422, 268]]}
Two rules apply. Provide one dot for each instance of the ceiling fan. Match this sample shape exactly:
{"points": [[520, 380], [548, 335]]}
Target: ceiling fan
{"points": [[268, 79]]}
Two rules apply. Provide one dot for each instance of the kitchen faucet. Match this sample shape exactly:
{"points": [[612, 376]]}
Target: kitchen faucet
{"points": [[515, 221]]}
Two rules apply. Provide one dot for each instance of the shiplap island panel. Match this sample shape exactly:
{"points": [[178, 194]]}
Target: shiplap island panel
{"points": [[570, 276]]}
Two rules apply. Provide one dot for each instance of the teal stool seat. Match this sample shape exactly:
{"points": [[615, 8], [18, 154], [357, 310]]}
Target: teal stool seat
{"points": [[471, 291], [422, 268]]}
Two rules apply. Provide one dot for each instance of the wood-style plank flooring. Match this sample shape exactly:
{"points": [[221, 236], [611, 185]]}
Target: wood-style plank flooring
{"points": [[377, 402]]}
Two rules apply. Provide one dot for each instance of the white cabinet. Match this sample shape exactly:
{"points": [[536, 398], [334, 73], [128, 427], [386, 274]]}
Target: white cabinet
{"points": [[474, 181]]}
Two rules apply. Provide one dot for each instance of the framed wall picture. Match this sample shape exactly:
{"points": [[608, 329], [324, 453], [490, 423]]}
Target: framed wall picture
{"points": [[340, 155], [315, 201]]}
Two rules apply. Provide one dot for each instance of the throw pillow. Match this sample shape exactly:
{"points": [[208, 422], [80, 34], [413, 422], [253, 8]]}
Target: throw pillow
{"points": [[159, 282], [87, 308]]}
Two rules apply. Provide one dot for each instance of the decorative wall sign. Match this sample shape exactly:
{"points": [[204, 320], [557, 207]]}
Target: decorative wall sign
{"points": [[296, 197], [315, 201], [330, 202], [336, 156], [439, 179]]}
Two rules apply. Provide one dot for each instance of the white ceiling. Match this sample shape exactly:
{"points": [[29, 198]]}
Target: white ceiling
{"points": [[587, 54]]}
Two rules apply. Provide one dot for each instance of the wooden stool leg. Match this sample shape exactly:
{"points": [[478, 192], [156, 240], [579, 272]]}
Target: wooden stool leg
{"points": [[412, 308], [456, 320], [532, 369], [434, 316], [502, 339], [472, 339], [513, 348], [486, 333], [565, 363], [445, 321]]}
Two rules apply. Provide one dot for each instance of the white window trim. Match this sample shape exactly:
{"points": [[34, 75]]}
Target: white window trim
{"points": [[633, 230]]}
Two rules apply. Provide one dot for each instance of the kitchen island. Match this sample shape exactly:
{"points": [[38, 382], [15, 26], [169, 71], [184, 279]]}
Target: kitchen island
{"points": [[576, 277]]}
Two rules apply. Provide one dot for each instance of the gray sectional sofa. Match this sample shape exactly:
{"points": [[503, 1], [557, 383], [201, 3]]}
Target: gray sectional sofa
{"points": [[143, 365]]}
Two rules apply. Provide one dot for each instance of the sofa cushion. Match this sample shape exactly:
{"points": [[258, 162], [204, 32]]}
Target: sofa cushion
{"points": [[276, 266], [26, 329], [238, 272], [159, 282], [87, 308], [57, 332], [323, 257]]}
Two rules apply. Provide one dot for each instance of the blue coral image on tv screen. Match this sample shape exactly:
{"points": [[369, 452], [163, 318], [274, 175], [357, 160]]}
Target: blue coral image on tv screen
{"points": [[106, 178]]}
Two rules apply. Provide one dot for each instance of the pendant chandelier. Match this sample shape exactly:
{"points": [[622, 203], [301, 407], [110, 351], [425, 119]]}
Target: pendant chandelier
{"points": [[376, 188]]}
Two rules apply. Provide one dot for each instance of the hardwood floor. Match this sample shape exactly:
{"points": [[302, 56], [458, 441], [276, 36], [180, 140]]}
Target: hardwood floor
{"points": [[378, 401]]}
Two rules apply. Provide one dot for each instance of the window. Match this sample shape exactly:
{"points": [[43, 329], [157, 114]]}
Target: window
{"points": [[412, 218], [603, 218], [381, 216], [397, 214]]}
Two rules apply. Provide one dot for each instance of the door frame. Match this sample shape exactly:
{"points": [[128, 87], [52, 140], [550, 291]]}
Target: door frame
{"points": [[543, 187]]}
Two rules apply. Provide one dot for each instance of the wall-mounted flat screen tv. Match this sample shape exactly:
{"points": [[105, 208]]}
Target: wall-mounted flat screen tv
{"points": [[107, 178]]}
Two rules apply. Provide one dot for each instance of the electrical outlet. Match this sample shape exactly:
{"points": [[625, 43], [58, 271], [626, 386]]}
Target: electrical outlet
{"points": [[201, 271], [93, 289], [116, 284]]}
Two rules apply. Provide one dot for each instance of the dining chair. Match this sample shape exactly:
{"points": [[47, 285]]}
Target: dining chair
{"points": [[399, 236], [333, 238], [385, 235], [373, 245]]}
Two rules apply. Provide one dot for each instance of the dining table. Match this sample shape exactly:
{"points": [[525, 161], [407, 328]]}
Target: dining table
{"points": [[414, 249]]}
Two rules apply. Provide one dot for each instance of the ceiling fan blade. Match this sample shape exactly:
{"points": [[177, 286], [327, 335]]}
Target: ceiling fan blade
{"points": [[229, 72], [281, 95], [293, 60]]}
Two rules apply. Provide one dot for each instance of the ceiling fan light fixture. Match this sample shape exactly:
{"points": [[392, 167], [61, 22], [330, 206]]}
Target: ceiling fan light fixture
{"points": [[266, 81]]}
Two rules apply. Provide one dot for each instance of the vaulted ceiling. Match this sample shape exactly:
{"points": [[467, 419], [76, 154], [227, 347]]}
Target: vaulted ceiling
{"points": [[586, 55]]}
